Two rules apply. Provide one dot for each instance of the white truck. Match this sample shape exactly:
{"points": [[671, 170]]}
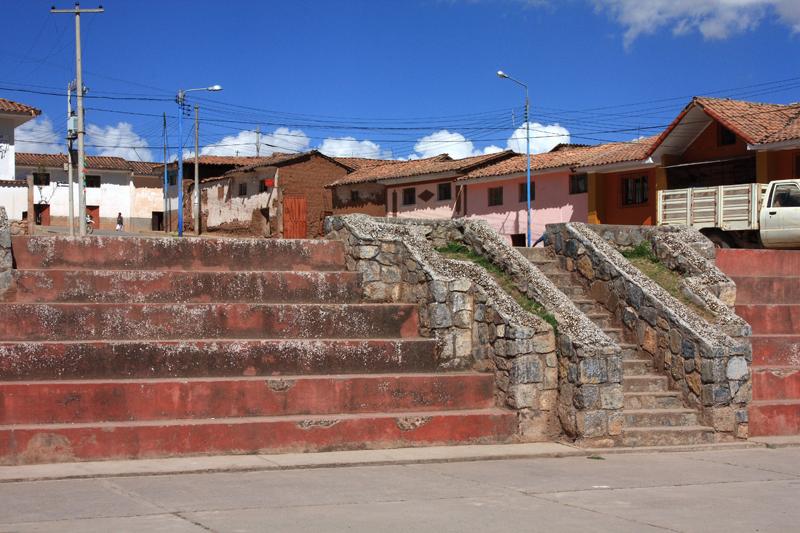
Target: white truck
{"points": [[752, 215]]}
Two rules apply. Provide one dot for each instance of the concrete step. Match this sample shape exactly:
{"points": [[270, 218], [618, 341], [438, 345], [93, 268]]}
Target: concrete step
{"points": [[774, 417], [776, 383], [776, 350], [745, 262], [768, 319], [652, 400], [615, 334], [48, 402], [167, 253], [601, 319], [213, 357], [644, 383], [535, 255], [32, 322], [629, 351], [22, 444], [659, 417], [587, 305], [637, 367], [140, 286], [667, 436], [767, 289]]}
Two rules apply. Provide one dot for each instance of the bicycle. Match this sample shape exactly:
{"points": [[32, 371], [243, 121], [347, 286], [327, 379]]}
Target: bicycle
{"points": [[89, 225]]}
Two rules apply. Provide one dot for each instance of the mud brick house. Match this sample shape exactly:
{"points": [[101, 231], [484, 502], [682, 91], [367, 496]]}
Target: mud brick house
{"points": [[420, 188], [13, 192], [357, 196], [230, 200]]}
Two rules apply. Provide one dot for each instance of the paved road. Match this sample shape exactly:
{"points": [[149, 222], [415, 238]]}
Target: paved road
{"points": [[726, 491]]}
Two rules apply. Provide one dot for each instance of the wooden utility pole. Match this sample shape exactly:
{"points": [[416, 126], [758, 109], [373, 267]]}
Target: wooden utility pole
{"points": [[197, 169], [79, 90], [31, 209]]}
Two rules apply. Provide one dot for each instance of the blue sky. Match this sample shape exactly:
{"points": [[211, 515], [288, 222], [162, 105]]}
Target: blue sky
{"points": [[396, 78]]}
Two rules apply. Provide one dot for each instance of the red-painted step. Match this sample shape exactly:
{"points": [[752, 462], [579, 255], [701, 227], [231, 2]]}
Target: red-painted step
{"points": [[120, 286], [214, 357], [46, 402], [776, 383], [776, 350], [23, 444], [31, 322], [166, 253], [771, 319], [743, 262], [774, 417], [767, 290]]}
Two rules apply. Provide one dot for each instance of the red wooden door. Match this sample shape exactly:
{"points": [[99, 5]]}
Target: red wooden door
{"points": [[94, 211], [294, 217]]}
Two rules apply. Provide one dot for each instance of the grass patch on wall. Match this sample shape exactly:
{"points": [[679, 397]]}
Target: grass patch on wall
{"points": [[460, 252], [642, 257]]}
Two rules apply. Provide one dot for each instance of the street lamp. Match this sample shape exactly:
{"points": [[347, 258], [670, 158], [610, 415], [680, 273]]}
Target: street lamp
{"points": [[501, 74], [181, 100]]}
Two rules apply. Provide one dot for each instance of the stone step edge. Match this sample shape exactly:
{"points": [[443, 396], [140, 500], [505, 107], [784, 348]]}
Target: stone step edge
{"points": [[181, 271], [293, 340], [679, 429], [454, 374], [491, 411], [665, 393], [665, 411], [758, 403]]}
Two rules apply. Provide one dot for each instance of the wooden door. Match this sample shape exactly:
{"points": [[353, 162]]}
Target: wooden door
{"points": [[94, 211], [295, 224], [42, 214]]}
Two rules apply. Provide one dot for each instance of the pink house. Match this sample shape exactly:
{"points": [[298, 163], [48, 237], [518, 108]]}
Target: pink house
{"points": [[497, 193]]}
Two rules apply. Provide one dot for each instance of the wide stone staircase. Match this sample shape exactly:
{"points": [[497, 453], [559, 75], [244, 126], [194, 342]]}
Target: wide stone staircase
{"points": [[653, 414], [768, 298], [116, 347]]}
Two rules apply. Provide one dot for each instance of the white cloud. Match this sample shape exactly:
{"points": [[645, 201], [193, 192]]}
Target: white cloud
{"points": [[118, 141], [714, 19], [244, 143], [543, 138], [452, 143], [38, 136], [351, 147]]}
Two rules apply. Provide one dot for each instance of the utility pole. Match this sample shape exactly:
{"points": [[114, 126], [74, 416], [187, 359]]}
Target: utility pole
{"points": [[71, 134], [197, 169], [79, 90], [166, 219], [258, 141]]}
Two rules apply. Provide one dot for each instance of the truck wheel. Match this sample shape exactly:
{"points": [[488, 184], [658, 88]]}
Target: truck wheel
{"points": [[719, 239]]}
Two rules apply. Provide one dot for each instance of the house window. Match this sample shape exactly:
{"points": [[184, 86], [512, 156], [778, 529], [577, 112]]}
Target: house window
{"points": [[634, 190], [725, 136], [172, 176], [444, 192], [518, 239], [409, 196], [355, 196], [93, 182], [495, 196], [523, 191], [262, 186], [41, 178], [578, 184], [242, 189]]}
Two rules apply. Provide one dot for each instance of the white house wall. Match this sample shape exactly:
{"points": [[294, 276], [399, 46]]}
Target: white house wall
{"points": [[6, 149], [222, 208]]}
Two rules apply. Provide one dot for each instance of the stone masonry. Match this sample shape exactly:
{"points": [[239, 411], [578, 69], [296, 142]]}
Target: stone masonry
{"points": [[572, 385], [701, 360]]}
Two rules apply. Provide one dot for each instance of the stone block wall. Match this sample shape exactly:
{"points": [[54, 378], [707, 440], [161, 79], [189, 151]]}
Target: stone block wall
{"points": [[6, 259], [571, 384], [709, 367]]}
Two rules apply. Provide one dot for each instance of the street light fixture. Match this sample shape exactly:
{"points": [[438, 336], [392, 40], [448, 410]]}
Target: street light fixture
{"points": [[181, 101], [503, 75]]}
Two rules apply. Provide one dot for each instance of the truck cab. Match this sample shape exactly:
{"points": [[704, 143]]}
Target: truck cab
{"points": [[779, 219]]}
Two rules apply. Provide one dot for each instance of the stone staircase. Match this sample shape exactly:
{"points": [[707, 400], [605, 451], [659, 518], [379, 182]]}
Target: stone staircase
{"points": [[653, 414], [119, 347], [768, 298]]}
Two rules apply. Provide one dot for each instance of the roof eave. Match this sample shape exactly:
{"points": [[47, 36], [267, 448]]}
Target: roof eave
{"points": [[777, 145], [616, 167]]}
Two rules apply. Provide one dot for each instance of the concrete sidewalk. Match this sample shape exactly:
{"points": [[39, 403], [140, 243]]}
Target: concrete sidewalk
{"points": [[725, 490]]}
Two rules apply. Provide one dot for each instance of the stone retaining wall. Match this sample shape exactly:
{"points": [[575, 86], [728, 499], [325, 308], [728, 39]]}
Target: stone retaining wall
{"points": [[702, 361], [573, 385], [6, 259]]}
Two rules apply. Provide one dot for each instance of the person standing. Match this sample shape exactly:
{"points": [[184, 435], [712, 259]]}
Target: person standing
{"points": [[119, 221]]}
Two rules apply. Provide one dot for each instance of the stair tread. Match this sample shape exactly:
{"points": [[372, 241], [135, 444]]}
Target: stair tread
{"points": [[795, 401], [687, 429], [337, 340], [666, 410], [491, 411], [283, 377], [651, 393]]}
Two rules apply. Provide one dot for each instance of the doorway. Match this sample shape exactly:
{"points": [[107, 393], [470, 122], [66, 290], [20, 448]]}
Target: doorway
{"points": [[295, 211], [42, 213], [94, 212]]}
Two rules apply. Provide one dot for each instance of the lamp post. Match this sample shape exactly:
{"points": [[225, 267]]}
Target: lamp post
{"points": [[501, 74], [181, 100]]}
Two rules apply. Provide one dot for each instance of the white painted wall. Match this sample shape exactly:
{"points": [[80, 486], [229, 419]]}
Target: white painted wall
{"points": [[15, 200], [6, 149], [224, 205]]}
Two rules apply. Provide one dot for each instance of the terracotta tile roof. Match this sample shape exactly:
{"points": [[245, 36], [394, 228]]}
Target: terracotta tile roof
{"points": [[13, 183], [568, 156], [238, 161], [146, 168], [93, 162], [357, 163], [8, 106], [419, 167]]}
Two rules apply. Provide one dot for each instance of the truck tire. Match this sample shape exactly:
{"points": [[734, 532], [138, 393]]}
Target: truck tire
{"points": [[719, 238]]}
